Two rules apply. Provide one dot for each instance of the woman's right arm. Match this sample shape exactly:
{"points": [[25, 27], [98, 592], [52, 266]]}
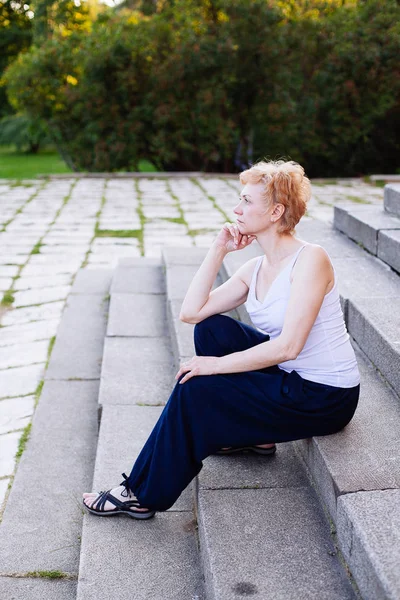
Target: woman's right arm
{"points": [[199, 303]]}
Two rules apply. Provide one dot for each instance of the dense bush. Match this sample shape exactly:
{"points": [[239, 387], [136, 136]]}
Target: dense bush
{"points": [[214, 85]]}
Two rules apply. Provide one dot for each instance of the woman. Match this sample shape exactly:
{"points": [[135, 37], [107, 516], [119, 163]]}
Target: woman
{"points": [[294, 375]]}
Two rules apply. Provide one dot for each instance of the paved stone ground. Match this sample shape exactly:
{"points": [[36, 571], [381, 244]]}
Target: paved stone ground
{"points": [[49, 229]]}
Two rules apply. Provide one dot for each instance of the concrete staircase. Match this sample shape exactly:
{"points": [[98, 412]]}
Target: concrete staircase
{"points": [[376, 230], [318, 520]]}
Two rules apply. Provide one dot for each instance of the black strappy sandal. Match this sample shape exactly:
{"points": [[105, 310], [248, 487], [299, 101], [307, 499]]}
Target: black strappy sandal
{"points": [[121, 507], [256, 449]]}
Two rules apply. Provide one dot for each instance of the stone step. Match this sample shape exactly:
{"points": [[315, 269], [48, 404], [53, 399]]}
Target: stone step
{"points": [[157, 558], [42, 522], [371, 438], [376, 230], [243, 552], [391, 198]]}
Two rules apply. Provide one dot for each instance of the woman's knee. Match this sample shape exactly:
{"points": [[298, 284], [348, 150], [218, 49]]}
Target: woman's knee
{"points": [[214, 324], [208, 323]]}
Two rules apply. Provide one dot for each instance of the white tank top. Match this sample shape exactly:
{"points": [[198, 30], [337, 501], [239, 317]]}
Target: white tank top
{"points": [[328, 356]]}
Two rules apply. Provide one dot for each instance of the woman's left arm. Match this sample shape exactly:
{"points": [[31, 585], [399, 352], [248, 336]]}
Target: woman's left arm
{"points": [[310, 280]]}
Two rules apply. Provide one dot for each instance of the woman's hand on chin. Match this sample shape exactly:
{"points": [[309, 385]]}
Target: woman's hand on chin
{"points": [[230, 238]]}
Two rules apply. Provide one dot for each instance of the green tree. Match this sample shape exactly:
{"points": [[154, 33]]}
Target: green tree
{"points": [[15, 37]]}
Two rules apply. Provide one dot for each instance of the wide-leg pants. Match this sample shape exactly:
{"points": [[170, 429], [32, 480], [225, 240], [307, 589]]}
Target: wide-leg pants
{"points": [[209, 412]]}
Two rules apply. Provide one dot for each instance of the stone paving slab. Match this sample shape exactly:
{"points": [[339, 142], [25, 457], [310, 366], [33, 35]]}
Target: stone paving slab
{"points": [[92, 281], [49, 270], [137, 261], [31, 283], [375, 325], [13, 259], [8, 270], [20, 316], [124, 310], [369, 531], [28, 332], [151, 559], [236, 471], [23, 354], [362, 225], [177, 256], [136, 370], [138, 280], [8, 449], [370, 439], [40, 530], [16, 413], [391, 198], [41, 295], [20, 381], [78, 350], [389, 248], [279, 549], [179, 279], [5, 283], [3, 490], [181, 333], [40, 588]]}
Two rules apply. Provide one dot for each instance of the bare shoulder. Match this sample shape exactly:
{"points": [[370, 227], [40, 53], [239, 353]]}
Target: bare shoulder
{"points": [[313, 258], [314, 252], [245, 271]]}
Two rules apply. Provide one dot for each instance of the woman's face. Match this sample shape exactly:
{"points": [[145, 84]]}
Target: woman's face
{"points": [[251, 212]]}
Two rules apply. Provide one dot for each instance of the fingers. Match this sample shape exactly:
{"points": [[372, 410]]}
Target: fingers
{"points": [[234, 231], [187, 376], [240, 240], [183, 369]]}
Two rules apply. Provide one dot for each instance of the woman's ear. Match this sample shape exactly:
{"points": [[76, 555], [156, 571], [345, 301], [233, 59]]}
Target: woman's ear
{"points": [[277, 212]]}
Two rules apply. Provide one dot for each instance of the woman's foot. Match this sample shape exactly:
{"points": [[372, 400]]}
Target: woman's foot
{"points": [[91, 499], [116, 500], [264, 449], [257, 446]]}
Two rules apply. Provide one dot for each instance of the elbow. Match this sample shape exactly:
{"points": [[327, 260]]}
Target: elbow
{"points": [[290, 353], [186, 319]]}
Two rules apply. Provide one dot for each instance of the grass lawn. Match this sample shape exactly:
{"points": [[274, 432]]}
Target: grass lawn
{"points": [[15, 165]]}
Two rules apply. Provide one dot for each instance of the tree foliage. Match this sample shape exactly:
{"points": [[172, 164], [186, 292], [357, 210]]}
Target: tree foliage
{"points": [[15, 36], [216, 84]]}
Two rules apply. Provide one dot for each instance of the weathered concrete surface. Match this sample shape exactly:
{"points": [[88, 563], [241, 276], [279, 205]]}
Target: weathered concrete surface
{"points": [[369, 532], [134, 315], [153, 559], [389, 248], [268, 544], [42, 520], [282, 469], [144, 279], [391, 198], [40, 588], [181, 333], [92, 281], [165, 550], [362, 224], [370, 439], [20, 381], [78, 350], [136, 370], [375, 325]]}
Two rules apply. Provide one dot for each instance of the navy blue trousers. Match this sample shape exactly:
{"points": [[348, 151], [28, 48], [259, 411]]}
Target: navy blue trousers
{"points": [[209, 412]]}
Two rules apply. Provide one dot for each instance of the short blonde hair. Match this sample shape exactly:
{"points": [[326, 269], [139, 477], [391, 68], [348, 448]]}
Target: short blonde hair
{"points": [[285, 183]]}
